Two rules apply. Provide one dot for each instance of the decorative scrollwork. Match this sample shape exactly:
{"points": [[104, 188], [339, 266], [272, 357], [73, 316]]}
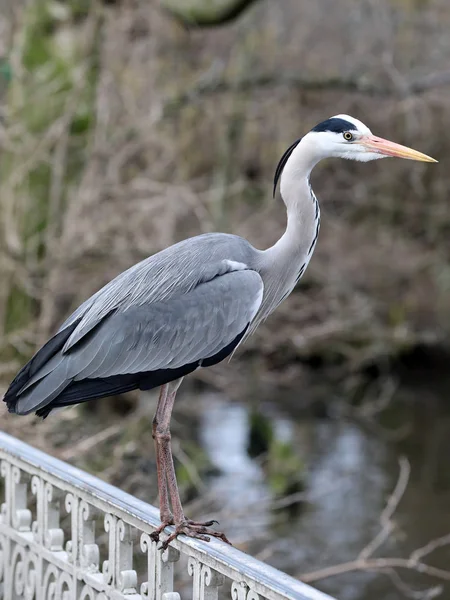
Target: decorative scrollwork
{"points": [[5, 472], [87, 593], [148, 546], [34, 566], [206, 580], [46, 529], [159, 584], [88, 550], [56, 584], [31, 576], [126, 576], [65, 586], [21, 516], [71, 504], [211, 578], [238, 590], [37, 489], [241, 591], [18, 571], [53, 534], [117, 570], [3, 557], [49, 581], [108, 565]]}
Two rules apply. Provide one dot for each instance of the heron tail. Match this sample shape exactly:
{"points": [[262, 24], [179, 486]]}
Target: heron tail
{"points": [[42, 378]]}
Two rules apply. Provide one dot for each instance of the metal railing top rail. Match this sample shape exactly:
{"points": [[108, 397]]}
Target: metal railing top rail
{"points": [[233, 564]]}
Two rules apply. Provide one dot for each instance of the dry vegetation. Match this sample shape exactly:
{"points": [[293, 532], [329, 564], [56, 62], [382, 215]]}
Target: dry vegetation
{"points": [[122, 130]]}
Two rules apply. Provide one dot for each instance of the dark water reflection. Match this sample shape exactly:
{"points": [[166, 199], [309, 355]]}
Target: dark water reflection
{"points": [[349, 474]]}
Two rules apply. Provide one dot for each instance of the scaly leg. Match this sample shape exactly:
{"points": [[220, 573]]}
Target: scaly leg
{"points": [[164, 507], [162, 437]]}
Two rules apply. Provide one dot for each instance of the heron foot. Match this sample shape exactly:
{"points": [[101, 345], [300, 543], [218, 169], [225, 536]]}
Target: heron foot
{"points": [[165, 523], [195, 529]]}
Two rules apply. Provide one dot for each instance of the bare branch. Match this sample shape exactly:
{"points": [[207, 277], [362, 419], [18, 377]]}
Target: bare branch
{"points": [[375, 564], [387, 525], [217, 85], [433, 80], [206, 14], [364, 562], [418, 554], [85, 445], [409, 592]]}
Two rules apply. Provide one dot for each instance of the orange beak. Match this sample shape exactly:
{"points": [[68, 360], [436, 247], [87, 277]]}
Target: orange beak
{"points": [[381, 146]]}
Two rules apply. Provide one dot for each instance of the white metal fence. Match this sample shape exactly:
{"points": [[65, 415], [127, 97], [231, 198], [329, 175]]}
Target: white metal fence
{"points": [[66, 535]]}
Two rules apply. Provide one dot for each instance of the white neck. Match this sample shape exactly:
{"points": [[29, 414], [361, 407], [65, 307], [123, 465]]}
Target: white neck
{"points": [[290, 255], [300, 203]]}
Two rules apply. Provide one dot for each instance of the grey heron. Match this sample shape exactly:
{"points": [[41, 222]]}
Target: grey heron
{"points": [[189, 306]]}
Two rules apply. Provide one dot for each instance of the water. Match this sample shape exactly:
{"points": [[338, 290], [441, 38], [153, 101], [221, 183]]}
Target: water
{"points": [[349, 473]]}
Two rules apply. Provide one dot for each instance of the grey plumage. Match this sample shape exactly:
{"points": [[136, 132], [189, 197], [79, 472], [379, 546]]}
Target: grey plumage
{"points": [[175, 270], [193, 309], [182, 308], [191, 304], [186, 307]]}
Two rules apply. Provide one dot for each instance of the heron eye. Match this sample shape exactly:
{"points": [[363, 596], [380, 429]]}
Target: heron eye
{"points": [[348, 136]]}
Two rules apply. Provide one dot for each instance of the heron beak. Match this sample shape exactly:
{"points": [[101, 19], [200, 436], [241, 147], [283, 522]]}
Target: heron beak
{"points": [[382, 146]]}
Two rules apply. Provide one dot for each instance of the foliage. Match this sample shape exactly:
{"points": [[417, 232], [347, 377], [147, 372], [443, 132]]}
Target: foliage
{"points": [[48, 106]]}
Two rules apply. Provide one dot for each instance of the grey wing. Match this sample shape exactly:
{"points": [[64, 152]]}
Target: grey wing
{"points": [[172, 272], [168, 335], [186, 329]]}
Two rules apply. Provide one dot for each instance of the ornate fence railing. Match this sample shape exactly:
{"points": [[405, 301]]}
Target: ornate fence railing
{"points": [[66, 535]]}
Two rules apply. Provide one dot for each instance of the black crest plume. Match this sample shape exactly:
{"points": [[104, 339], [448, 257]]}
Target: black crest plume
{"points": [[335, 125], [282, 163]]}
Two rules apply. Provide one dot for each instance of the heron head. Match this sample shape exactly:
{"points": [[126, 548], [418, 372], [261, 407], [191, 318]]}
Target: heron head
{"points": [[346, 137], [342, 136]]}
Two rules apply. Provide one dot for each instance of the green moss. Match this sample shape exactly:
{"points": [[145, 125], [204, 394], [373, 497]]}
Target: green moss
{"points": [[260, 434], [285, 469], [81, 123], [19, 307], [5, 70], [37, 100]]}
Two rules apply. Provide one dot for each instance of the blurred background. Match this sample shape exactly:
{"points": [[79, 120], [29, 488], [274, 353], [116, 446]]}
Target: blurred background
{"points": [[127, 125]]}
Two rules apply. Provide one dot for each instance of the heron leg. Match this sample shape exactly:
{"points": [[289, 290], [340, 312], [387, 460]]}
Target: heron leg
{"points": [[162, 436], [164, 507]]}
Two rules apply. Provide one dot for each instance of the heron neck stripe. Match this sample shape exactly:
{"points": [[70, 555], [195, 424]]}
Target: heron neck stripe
{"points": [[316, 235]]}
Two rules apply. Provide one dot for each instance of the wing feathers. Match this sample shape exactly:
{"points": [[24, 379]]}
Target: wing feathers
{"points": [[137, 343], [173, 333], [175, 271], [46, 390], [34, 367]]}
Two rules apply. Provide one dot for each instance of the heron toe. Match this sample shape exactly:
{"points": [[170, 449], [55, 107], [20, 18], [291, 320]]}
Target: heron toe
{"points": [[164, 523], [197, 530]]}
